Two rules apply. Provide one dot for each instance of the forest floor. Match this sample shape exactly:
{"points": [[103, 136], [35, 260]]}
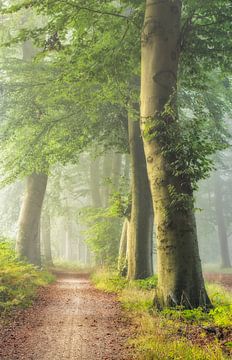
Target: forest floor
{"points": [[223, 279], [69, 320], [73, 320]]}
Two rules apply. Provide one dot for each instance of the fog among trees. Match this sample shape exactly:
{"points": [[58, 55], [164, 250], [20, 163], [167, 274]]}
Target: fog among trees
{"points": [[115, 129]]}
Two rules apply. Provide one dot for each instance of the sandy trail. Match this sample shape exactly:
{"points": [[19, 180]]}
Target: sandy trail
{"points": [[71, 320]]}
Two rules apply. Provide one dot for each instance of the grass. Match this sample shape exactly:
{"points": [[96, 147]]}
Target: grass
{"points": [[171, 334], [18, 280]]}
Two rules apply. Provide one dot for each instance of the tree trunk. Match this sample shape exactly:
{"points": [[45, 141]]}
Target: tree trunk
{"points": [[122, 257], [222, 232], [116, 171], [126, 172], [95, 182], [107, 169], [28, 238], [180, 280], [72, 243], [140, 246], [46, 238]]}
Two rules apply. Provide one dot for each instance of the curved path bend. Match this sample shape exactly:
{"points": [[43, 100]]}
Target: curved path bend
{"points": [[71, 320]]}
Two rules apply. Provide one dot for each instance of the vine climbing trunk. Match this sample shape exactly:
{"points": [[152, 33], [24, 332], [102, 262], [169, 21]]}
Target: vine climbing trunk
{"points": [[180, 280], [28, 238], [140, 242]]}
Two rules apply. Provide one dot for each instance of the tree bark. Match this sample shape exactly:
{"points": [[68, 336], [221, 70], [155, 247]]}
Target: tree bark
{"points": [[28, 238], [180, 280], [221, 225], [140, 238], [46, 238]]}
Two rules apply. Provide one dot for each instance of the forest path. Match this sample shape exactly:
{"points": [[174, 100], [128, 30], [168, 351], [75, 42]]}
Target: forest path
{"points": [[70, 320], [220, 278]]}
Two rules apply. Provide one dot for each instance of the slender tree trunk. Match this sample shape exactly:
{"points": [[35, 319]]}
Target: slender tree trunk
{"points": [[122, 257], [222, 232], [72, 243], [106, 173], [126, 172], [116, 171], [141, 220], [28, 238], [180, 280], [95, 182], [46, 238]]}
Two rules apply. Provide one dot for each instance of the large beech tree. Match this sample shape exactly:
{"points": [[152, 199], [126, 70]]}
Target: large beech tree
{"points": [[28, 239], [180, 280]]}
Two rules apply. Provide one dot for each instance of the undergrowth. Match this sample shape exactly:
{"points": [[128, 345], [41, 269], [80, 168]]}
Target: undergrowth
{"points": [[18, 280], [172, 333]]}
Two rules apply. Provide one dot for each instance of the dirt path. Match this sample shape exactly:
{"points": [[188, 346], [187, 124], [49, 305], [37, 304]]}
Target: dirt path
{"points": [[222, 279], [71, 320]]}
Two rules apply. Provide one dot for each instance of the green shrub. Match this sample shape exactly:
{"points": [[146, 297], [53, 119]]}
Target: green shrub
{"points": [[102, 234], [18, 280]]}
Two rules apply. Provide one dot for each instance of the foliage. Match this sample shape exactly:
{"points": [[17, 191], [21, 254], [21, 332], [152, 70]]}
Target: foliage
{"points": [[81, 78], [18, 280], [120, 204], [102, 234]]}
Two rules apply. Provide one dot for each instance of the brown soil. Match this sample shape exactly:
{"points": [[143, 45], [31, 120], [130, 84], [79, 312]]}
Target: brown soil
{"points": [[70, 320]]}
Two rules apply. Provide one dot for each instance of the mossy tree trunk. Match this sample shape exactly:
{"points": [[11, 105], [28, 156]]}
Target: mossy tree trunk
{"points": [[140, 242], [28, 237], [221, 224], [46, 237], [180, 280]]}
